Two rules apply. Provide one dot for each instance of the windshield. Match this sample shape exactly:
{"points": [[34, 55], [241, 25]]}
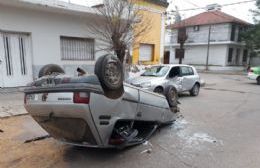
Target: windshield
{"points": [[157, 71]]}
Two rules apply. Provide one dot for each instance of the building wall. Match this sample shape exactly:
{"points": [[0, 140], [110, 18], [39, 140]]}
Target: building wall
{"points": [[219, 33], [237, 56], [196, 55], [45, 30], [152, 14], [197, 42]]}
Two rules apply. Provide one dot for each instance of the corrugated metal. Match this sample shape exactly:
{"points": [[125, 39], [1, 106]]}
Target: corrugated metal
{"points": [[146, 52]]}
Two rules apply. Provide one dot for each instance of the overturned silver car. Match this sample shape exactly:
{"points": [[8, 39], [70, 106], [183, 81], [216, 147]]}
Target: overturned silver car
{"points": [[98, 110]]}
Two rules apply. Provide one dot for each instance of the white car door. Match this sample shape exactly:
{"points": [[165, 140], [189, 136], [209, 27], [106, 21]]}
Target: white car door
{"points": [[187, 78], [175, 78]]}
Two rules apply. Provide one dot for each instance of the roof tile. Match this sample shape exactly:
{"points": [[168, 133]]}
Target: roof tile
{"points": [[209, 17]]}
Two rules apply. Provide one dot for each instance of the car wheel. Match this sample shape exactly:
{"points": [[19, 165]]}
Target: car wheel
{"points": [[195, 90], [109, 71], [50, 69], [158, 90], [171, 95], [258, 80]]}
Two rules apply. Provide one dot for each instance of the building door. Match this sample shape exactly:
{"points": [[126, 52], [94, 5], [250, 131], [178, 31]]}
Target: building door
{"points": [[16, 62], [1, 61], [166, 57]]}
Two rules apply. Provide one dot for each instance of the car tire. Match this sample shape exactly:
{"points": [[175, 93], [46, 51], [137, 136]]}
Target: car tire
{"points": [[258, 80], [109, 71], [50, 69], [171, 95], [195, 90], [158, 90]]}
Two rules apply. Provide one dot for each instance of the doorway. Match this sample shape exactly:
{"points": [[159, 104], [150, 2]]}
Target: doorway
{"points": [[166, 57], [15, 59]]}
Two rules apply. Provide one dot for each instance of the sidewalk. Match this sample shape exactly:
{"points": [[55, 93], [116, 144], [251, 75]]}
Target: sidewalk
{"points": [[223, 72], [11, 102]]}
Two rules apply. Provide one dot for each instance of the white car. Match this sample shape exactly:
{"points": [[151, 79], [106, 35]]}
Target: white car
{"points": [[156, 78]]}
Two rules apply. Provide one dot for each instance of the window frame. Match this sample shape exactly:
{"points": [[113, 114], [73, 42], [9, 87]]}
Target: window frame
{"points": [[152, 51], [196, 28], [233, 32], [74, 58]]}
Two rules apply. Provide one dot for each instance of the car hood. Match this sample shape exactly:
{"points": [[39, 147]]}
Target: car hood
{"points": [[142, 79]]}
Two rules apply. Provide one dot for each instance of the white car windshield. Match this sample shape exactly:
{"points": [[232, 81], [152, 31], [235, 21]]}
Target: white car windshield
{"points": [[157, 71]]}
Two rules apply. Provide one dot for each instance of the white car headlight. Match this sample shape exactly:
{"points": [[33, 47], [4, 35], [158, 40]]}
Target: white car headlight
{"points": [[146, 84]]}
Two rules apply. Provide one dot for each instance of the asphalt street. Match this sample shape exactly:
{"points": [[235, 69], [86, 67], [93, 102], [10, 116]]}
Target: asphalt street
{"points": [[218, 129]]}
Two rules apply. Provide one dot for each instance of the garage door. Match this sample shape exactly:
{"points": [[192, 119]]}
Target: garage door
{"points": [[15, 60], [146, 52]]}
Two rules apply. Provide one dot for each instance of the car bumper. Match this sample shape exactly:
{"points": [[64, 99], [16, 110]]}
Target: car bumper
{"points": [[252, 76], [66, 122], [73, 130]]}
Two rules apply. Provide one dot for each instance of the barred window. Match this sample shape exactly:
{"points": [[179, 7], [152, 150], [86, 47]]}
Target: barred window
{"points": [[74, 48]]}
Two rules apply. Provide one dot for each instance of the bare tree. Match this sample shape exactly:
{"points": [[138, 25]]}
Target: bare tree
{"points": [[122, 26]]}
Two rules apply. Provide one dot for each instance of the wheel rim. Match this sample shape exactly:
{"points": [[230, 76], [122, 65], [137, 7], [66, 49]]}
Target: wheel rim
{"points": [[112, 73], [172, 95]]}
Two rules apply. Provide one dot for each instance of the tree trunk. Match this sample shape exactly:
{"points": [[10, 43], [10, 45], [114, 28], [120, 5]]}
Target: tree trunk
{"points": [[121, 54]]}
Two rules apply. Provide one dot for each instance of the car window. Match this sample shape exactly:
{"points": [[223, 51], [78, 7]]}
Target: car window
{"points": [[186, 71], [191, 71], [157, 71], [175, 71]]}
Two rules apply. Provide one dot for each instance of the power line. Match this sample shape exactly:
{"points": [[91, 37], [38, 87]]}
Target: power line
{"points": [[197, 6], [223, 5]]}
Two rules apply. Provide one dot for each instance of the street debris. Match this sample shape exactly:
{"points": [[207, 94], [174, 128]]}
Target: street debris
{"points": [[147, 151], [147, 143], [37, 139], [1, 131], [192, 139], [201, 137]]}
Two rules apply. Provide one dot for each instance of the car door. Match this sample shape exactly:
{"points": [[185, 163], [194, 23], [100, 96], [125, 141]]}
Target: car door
{"points": [[188, 80], [175, 78]]}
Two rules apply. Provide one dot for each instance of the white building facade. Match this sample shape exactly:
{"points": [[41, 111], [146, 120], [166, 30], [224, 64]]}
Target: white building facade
{"points": [[34, 33], [224, 48]]}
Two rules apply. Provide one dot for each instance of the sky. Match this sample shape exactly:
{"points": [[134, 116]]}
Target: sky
{"points": [[240, 11]]}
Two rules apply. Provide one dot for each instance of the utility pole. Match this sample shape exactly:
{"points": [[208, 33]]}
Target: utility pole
{"points": [[207, 60], [182, 52]]}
